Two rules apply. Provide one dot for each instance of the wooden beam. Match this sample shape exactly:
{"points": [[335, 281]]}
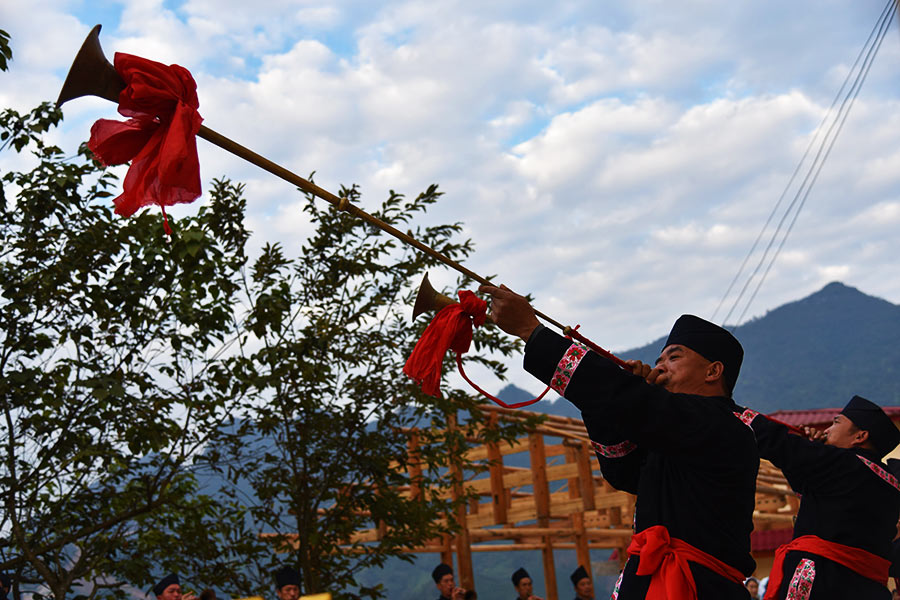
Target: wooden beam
{"points": [[498, 493], [542, 503], [415, 465], [773, 517], [536, 546], [495, 548], [463, 545], [582, 552], [509, 533], [446, 550], [586, 474]]}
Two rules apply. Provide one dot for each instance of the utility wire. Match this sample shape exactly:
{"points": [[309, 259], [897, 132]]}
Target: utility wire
{"points": [[867, 55], [862, 79], [790, 182]]}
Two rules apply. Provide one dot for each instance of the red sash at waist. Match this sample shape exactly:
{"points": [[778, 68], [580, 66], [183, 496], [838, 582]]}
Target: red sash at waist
{"points": [[865, 563], [666, 559]]}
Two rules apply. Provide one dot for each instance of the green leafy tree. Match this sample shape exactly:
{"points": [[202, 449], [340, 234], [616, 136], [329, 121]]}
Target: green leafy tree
{"points": [[134, 366], [162, 402], [109, 378], [319, 450]]}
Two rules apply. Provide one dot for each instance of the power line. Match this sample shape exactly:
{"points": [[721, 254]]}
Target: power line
{"points": [[866, 55], [819, 169]]}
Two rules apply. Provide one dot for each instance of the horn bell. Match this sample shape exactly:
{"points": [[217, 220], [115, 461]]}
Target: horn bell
{"points": [[91, 73], [428, 299]]}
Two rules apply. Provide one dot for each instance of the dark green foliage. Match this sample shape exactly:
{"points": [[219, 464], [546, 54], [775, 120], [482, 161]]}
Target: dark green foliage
{"points": [[103, 401], [319, 448], [5, 51], [134, 368]]}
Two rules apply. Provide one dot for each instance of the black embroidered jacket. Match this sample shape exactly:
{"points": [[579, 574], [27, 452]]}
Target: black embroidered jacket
{"points": [[689, 459]]}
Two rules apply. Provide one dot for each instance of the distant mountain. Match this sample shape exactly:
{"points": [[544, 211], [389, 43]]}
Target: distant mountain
{"points": [[813, 353]]}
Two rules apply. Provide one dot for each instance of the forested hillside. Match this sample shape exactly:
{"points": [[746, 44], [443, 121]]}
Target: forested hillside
{"points": [[813, 353]]}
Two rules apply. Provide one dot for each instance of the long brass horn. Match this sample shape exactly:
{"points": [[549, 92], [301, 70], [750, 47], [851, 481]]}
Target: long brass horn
{"points": [[92, 74]]}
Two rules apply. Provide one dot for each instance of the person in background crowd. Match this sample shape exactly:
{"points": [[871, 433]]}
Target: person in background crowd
{"points": [[584, 588], [5, 586], [752, 585], [287, 583], [849, 504], [169, 588], [522, 582], [443, 579]]}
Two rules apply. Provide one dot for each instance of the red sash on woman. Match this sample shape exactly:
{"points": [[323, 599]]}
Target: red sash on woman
{"points": [[666, 559], [858, 560]]}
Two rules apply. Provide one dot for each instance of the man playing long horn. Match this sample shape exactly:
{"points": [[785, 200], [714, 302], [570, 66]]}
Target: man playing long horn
{"points": [[849, 506], [672, 436]]}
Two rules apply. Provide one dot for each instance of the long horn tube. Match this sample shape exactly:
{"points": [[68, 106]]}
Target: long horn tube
{"points": [[92, 74]]}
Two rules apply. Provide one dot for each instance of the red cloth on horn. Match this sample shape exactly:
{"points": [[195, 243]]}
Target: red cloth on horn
{"points": [[159, 139], [666, 559], [870, 566], [450, 329]]}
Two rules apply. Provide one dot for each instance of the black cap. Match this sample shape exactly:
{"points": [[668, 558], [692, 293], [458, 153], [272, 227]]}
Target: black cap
{"points": [[441, 570], [165, 582], [711, 342], [866, 415], [286, 576], [519, 576], [578, 574]]}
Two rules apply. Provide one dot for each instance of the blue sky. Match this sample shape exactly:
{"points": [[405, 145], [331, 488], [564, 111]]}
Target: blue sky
{"points": [[616, 160]]}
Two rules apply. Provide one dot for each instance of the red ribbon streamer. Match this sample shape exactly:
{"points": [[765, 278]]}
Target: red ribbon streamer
{"points": [[450, 329], [159, 138]]}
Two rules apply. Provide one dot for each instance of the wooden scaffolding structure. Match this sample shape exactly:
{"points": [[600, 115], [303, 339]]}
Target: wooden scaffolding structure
{"points": [[559, 502]]}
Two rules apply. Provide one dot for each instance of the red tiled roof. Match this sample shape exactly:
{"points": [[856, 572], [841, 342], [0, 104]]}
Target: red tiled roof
{"points": [[760, 541], [820, 416]]}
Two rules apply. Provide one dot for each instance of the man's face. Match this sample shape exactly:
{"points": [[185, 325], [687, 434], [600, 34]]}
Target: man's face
{"points": [[752, 587], [288, 592], [842, 433], [173, 592], [524, 588], [681, 370], [445, 585], [584, 589]]}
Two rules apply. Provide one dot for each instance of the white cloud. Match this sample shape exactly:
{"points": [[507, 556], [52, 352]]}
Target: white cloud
{"points": [[616, 160]]}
